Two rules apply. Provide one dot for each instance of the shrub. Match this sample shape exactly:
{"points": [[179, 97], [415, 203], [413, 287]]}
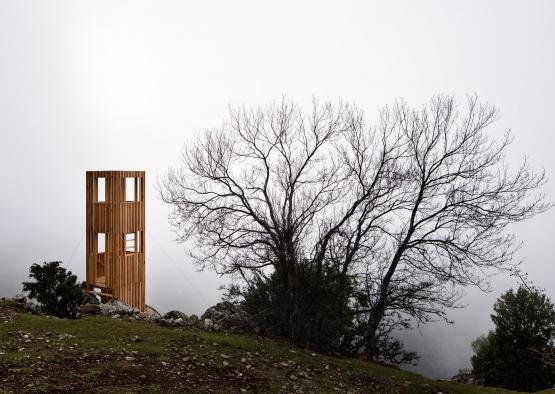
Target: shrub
{"points": [[54, 288], [518, 354], [309, 309]]}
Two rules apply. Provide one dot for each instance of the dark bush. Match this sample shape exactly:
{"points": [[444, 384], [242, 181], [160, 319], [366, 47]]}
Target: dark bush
{"points": [[310, 309], [519, 353], [54, 288]]}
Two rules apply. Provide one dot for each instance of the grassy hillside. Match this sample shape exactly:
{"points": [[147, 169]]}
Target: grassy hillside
{"points": [[99, 354]]}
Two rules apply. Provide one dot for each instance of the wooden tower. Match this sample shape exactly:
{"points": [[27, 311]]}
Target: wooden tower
{"points": [[115, 233]]}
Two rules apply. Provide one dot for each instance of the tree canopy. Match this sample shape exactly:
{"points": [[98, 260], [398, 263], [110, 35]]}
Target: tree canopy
{"points": [[400, 213], [519, 353], [53, 287]]}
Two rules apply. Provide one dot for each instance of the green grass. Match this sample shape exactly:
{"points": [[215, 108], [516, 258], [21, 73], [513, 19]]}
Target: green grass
{"points": [[105, 356]]}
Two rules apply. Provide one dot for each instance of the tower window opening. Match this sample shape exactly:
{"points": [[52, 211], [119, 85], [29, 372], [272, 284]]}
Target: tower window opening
{"points": [[130, 189], [101, 190], [101, 242], [131, 243]]}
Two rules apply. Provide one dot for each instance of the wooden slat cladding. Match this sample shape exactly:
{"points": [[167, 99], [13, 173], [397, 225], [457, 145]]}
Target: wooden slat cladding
{"points": [[123, 275]]}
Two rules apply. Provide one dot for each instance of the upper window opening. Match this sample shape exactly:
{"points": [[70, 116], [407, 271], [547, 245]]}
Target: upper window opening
{"points": [[130, 189], [101, 189], [101, 243]]}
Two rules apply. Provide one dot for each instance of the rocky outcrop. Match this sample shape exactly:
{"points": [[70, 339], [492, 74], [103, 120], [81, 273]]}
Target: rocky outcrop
{"points": [[151, 314], [222, 316], [227, 316], [117, 307], [176, 315], [88, 309], [28, 303], [465, 376], [88, 298]]}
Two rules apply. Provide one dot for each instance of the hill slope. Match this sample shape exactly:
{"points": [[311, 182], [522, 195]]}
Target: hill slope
{"points": [[44, 354]]}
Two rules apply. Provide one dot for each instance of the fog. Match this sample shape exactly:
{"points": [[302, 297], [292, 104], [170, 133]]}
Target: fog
{"points": [[123, 85]]}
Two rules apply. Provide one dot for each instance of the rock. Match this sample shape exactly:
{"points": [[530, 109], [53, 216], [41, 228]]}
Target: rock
{"points": [[193, 320], [176, 315], [151, 314], [207, 324], [228, 316], [65, 336], [171, 322], [88, 309], [117, 307], [20, 298], [30, 304], [88, 298], [136, 338], [163, 322], [464, 376]]}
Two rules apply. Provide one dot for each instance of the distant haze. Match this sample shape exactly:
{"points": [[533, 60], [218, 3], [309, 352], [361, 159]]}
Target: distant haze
{"points": [[123, 85]]}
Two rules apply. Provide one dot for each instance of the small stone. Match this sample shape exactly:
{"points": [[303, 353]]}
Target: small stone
{"points": [[129, 358], [293, 377], [136, 338], [225, 363]]}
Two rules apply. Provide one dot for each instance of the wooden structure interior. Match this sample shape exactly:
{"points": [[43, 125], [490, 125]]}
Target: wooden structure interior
{"points": [[115, 235]]}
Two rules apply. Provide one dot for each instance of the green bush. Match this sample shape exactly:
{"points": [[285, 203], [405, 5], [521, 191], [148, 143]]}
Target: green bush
{"points": [[518, 354], [54, 288]]}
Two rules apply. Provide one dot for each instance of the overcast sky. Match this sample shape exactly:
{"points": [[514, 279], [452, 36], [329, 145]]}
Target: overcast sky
{"points": [[93, 85]]}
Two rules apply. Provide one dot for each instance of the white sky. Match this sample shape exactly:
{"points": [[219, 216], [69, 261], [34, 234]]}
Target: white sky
{"points": [[123, 85]]}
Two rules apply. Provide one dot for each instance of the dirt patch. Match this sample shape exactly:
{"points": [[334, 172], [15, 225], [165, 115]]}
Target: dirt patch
{"points": [[7, 314], [71, 371]]}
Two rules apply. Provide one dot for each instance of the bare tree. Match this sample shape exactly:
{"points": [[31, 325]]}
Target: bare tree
{"points": [[447, 229], [408, 209], [271, 188]]}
